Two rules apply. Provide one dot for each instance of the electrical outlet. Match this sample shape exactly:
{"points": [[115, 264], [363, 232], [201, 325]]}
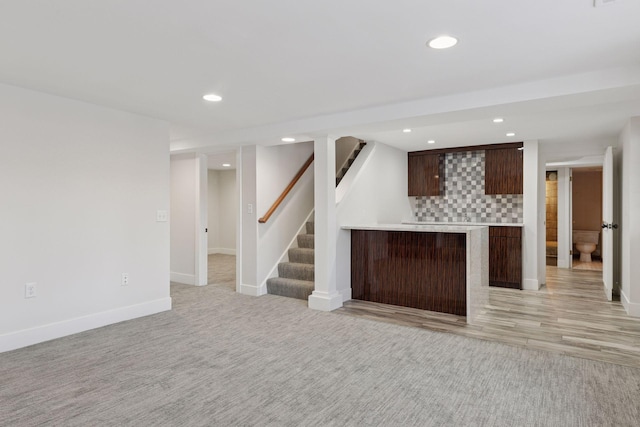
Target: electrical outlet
{"points": [[30, 290], [125, 279], [162, 216], [249, 208]]}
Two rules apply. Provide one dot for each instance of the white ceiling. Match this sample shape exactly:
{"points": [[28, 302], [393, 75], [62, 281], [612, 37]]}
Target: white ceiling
{"points": [[563, 72], [215, 161]]}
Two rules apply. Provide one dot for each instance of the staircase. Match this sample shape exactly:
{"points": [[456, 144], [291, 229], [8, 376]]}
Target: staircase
{"points": [[342, 172], [296, 276]]}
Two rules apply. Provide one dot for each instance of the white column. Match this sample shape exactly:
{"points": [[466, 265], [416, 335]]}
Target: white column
{"points": [[325, 297], [534, 215], [542, 219], [629, 228]]}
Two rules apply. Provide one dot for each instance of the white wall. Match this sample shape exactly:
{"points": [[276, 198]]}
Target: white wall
{"points": [[228, 211], [629, 156], [80, 188], [183, 218], [201, 220], [247, 262], [564, 217], [542, 222], [222, 201], [189, 188], [213, 203], [377, 194], [533, 232]]}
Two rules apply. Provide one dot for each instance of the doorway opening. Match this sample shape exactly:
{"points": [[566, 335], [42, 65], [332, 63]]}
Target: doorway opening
{"points": [[586, 221], [551, 208], [222, 206]]}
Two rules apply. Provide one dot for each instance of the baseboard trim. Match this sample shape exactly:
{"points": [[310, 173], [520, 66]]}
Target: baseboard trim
{"points": [[563, 263], [27, 337], [632, 308], [346, 294], [186, 279], [253, 290], [607, 291], [530, 285], [325, 302], [223, 251]]}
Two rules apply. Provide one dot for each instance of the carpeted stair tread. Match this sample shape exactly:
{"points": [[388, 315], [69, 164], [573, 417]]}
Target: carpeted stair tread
{"points": [[305, 241], [301, 255], [295, 270], [310, 227], [292, 288]]}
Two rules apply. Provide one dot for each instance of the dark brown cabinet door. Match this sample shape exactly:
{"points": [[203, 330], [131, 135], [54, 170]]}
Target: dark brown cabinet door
{"points": [[503, 171], [426, 174], [505, 257]]}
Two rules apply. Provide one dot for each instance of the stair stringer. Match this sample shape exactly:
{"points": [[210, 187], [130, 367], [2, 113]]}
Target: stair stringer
{"points": [[285, 255], [345, 162]]}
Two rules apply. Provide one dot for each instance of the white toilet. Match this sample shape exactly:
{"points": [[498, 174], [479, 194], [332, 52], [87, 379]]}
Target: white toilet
{"points": [[586, 242]]}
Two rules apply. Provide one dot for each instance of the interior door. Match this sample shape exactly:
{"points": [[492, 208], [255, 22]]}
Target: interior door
{"points": [[609, 227], [569, 234]]}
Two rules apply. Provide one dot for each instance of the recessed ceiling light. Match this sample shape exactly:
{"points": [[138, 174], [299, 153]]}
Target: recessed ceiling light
{"points": [[406, 130], [288, 139], [431, 141], [212, 97], [226, 165], [511, 134], [443, 42], [498, 120]]}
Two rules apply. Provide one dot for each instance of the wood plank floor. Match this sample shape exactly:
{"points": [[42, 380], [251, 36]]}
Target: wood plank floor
{"points": [[570, 315], [595, 265], [221, 270]]}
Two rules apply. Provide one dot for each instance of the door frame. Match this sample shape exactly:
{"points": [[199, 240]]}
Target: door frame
{"points": [[201, 241], [609, 219]]}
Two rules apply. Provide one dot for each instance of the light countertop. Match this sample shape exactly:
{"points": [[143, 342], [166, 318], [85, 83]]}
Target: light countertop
{"points": [[491, 224], [418, 227]]}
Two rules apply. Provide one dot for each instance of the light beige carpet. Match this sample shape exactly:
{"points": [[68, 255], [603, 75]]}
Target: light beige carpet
{"points": [[224, 359]]}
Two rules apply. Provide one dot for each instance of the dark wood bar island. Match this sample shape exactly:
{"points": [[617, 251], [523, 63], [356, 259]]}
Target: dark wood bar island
{"points": [[436, 268]]}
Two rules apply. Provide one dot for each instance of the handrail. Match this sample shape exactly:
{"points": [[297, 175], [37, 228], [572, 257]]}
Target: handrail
{"points": [[286, 191]]}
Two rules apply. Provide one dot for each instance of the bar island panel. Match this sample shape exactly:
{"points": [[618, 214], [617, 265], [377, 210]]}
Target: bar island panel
{"points": [[419, 270], [442, 268]]}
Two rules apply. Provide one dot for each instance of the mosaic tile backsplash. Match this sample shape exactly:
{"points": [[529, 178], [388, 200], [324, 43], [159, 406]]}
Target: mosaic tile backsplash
{"points": [[464, 199]]}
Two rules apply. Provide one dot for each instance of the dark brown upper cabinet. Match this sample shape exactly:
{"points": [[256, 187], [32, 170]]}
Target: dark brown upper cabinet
{"points": [[503, 171], [426, 174]]}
